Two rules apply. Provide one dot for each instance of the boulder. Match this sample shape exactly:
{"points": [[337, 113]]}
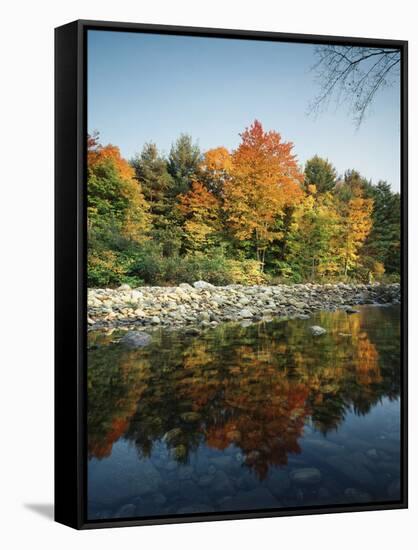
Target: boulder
{"points": [[202, 285], [245, 313], [136, 339], [124, 287], [317, 330]]}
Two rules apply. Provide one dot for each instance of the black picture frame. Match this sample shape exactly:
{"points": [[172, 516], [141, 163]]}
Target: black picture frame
{"points": [[70, 270]]}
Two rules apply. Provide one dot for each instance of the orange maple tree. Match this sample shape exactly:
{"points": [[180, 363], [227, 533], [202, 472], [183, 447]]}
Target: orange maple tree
{"points": [[265, 180]]}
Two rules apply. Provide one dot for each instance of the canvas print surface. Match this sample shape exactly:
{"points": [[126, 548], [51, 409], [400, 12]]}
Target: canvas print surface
{"points": [[244, 275]]}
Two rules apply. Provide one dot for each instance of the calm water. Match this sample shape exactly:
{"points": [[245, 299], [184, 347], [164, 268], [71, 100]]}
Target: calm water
{"points": [[244, 418]]}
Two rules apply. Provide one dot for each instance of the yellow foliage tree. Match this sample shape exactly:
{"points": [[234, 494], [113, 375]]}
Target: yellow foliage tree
{"points": [[202, 213], [357, 214]]}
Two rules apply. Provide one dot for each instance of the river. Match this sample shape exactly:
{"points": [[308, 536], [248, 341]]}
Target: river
{"points": [[246, 417]]}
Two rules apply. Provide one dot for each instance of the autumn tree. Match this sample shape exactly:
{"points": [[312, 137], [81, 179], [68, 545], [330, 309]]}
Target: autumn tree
{"points": [[312, 241], [357, 215], [265, 179], [113, 191], [201, 210], [117, 211], [215, 169], [246, 216]]}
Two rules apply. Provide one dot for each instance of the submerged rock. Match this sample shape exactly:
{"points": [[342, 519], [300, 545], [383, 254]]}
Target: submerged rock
{"points": [[306, 476], [136, 339], [351, 310]]}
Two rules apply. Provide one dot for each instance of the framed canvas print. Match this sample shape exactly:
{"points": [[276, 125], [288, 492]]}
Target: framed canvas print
{"points": [[231, 292]]}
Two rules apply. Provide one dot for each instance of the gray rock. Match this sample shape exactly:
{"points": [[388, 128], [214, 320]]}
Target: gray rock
{"points": [[317, 330], [124, 287], [204, 316], [202, 285], [351, 310], [305, 476], [245, 313], [136, 339], [155, 320], [136, 295]]}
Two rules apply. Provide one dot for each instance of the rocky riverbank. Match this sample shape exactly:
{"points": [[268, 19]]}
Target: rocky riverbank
{"points": [[205, 305]]}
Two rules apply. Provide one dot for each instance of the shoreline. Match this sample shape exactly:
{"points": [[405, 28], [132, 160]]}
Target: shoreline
{"points": [[204, 305]]}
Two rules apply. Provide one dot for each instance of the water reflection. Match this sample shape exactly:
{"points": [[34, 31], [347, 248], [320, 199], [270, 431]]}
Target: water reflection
{"points": [[259, 392]]}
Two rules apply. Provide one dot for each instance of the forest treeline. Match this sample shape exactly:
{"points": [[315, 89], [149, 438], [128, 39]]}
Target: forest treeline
{"points": [[246, 216]]}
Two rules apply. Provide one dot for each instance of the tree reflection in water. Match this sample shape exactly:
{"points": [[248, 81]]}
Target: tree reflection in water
{"points": [[254, 387]]}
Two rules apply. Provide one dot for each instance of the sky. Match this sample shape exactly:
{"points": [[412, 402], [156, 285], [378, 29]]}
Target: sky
{"points": [[151, 88]]}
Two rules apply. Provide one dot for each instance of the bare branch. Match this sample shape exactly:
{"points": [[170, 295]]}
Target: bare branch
{"points": [[353, 75]]}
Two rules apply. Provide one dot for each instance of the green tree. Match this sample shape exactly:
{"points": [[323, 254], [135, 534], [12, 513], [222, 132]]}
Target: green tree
{"points": [[152, 174], [183, 163], [384, 241], [352, 184], [321, 173]]}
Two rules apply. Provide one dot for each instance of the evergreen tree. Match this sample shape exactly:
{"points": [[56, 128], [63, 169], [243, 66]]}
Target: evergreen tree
{"points": [[384, 241], [183, 163], [321, 173]]}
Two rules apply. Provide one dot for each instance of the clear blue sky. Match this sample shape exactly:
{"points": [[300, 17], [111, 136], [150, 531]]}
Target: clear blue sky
{"points": [[145, 88]]}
